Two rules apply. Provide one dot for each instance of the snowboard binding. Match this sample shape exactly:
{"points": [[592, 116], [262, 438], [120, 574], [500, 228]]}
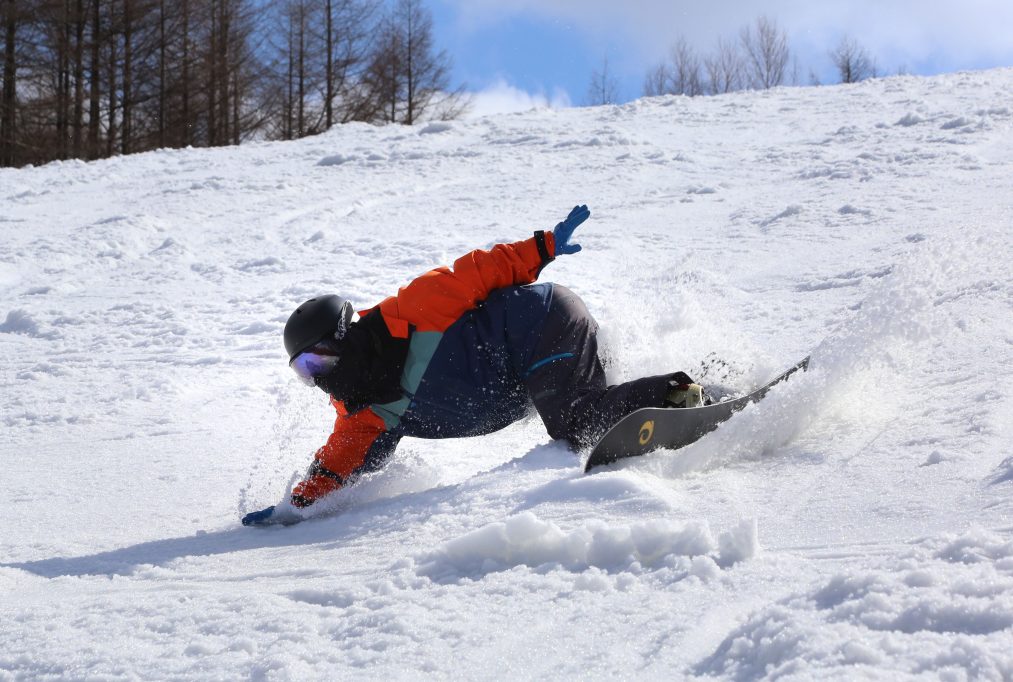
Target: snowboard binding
{"points": [[684, 392]]}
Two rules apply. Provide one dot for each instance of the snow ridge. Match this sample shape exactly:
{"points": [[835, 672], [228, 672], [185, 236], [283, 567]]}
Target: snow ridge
{"points": [[525, 540]]}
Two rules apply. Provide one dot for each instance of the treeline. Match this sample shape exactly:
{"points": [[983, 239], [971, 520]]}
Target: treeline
{"points": [[87, 79], [758, 58]]}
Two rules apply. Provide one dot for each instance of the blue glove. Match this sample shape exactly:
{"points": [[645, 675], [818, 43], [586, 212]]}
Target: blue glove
{"points": [[286, 516], [259, 518], [564, 230]]}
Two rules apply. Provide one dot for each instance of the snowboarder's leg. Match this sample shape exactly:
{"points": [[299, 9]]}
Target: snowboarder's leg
{"points": [[567, 383]]}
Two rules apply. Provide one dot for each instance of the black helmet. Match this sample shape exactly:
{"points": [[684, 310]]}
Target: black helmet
{"points": [[315, 320]]}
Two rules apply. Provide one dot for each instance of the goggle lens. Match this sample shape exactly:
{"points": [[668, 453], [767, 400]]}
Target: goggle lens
{"points": [[310, 364]]}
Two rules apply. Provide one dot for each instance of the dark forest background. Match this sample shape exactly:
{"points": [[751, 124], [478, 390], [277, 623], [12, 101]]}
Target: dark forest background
{"points": [[87, 79]]}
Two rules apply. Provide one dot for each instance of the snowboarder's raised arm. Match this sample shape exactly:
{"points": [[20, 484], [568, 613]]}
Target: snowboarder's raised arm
{"points": [[435, 300]]}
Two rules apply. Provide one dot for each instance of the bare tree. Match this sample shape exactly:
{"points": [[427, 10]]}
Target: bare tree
{"points": [[329, 66], [231, 66], [95, 80], [299, 70], [766, 52], [9, 20], [112, 46], [79, 19], [680, 75], [852, 62], [55, 17], [796, 70], [656, 80], [129, 17], [143, 28], [427, 72], [186, 81], [321, 56], [604, 86], [724, 68], [348, 28], [406, 76], [163, 79], [146, 82], [298, 30], [685, 72], [383, 82]]}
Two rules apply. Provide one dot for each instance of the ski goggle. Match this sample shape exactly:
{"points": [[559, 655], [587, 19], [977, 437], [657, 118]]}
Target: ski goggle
{"points": [[314, 362]]}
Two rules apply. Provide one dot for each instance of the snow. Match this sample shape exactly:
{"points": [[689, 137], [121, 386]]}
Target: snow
{"points": [[945, 606], [526, 540], [854, 525]]}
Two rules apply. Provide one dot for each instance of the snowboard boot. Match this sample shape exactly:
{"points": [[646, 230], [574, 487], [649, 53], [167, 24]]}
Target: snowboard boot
{"points": [[684, 392]]}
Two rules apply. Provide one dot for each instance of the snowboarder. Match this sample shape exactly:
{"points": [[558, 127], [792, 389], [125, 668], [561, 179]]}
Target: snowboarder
{"points": [[459, 352]]}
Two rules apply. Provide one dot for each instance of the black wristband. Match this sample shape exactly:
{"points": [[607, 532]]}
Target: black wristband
{"points": [[318, 469], [543, 248], [300, 501]]}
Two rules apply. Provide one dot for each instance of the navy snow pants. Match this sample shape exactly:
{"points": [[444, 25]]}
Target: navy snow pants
{"points": [[567, 382]]}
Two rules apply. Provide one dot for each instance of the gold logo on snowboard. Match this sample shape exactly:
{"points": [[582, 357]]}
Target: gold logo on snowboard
{"points": [[647, 432]]}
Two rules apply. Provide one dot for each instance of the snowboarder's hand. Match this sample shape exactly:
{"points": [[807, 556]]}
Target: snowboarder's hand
{"points": [[271, 516], [564, 230], [259, 518]]}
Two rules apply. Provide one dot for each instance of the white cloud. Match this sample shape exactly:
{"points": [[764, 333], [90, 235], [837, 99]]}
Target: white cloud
{"points": [[502, 98], [941, 31]]}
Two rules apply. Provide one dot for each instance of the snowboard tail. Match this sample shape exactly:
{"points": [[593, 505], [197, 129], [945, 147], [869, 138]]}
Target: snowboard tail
{"points": [[650, 428]]}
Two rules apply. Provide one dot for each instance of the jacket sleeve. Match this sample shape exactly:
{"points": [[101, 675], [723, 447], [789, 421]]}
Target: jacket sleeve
{"points": [[360, 442], [435, 300]]}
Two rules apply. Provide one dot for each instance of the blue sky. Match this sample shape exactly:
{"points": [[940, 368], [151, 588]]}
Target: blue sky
{"points": [[546, 50]]}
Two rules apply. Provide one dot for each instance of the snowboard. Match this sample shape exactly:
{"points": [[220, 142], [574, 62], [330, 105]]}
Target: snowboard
{"points": [[650, 428]]}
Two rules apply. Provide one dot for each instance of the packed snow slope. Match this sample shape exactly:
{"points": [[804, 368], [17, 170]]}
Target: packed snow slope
{"points": [[855, 524]]}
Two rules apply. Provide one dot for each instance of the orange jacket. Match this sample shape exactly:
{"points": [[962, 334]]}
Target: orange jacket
{"points": [[430, 303]]}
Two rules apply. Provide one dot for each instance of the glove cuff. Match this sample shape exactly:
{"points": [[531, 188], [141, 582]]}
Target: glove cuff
{"points": [[546, 245], [319, 481]]}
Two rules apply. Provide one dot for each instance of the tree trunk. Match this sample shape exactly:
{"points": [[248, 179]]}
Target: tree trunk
{"points": [[8, 99], [186, 138], [236, 136], [79, 22], [290, 97], [127, 75], [329, 105], [225, 69], [213, 77], [393, 88], [301, 129], [409, 60], [63, 81], [162, 47], [113, 104], [94, 86]]}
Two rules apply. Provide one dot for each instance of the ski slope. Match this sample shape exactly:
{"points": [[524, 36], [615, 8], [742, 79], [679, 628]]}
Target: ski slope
{"points": [[856, 524]]}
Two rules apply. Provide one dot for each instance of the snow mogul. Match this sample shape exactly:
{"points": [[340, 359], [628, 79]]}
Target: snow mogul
{"points": [[459, 352]]}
